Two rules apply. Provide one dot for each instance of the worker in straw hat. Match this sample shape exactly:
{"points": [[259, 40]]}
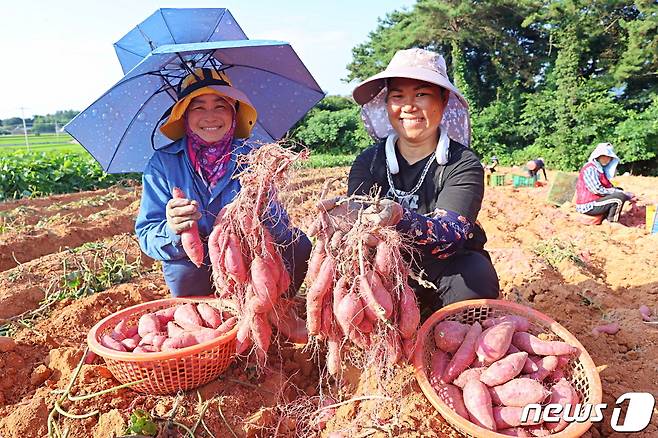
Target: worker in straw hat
{"points": [[209, 125], [432, 182]]}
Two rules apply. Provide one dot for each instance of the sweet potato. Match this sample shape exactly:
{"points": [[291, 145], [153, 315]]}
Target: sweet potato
{"points": [[512, 349], [214, 250], [646, 313], [158, 340], [464, 355], [449, 335], [242, 339], [263, 281], [148, 323], [562, 393], [187, 317], [182, 341], [377, 300], [530, 365], [315, 261], [383, 259], [316, 293], [191, 239], [538, 430], [166, 315], [504, 370], [609, 329], [350, 312], [478, 404], [521, 324], [509, 416], [205, 334], [290, 325], [468, 374], [409, 313], [261, 331], [121, 331], [545, 366], [438, 365], [492, 344], [366, 326], [112, 344], [452, 396], [518, 392], [532, 344], [284, 281], [333, 356], [233, 259], [210, 315], [174, 330], [131, 343]]}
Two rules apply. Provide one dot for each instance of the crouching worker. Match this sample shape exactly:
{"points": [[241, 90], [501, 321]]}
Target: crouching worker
{"points": [[595, 194], [209, 125], [534, 166], [432, 182]]}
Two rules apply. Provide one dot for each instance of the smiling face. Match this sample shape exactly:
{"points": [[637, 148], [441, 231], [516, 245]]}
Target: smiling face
{"points": [[210, 117], [415, 109]]}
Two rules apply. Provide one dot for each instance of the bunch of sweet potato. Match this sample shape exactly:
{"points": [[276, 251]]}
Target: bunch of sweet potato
{"points": [[489, 372], [359, 292], [246, 264], [170, 329]]}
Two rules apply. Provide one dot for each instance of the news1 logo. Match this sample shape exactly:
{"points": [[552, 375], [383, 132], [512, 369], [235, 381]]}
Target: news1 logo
{"points": [[638, 413]]}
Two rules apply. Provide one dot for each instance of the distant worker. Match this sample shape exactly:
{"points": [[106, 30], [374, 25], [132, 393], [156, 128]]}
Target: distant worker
{"points": [[534, 166], [595, 194], [491, 168]]}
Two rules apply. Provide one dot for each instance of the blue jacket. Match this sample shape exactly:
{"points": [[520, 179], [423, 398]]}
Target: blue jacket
{"points": [[171, 167]]}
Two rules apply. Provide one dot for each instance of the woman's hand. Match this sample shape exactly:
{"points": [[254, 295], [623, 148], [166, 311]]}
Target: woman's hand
{"points": [[182, 214], [386, 213]]}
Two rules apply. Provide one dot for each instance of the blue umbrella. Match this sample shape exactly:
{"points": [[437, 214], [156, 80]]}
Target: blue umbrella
{"points": [[120, 128], [176, 26]]}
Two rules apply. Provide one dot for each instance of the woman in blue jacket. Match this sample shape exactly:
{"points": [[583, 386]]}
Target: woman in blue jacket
{"points": [[209, 124]]}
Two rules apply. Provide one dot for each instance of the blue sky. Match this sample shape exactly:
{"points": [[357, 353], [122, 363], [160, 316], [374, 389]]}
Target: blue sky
{"points": [[59, 54]]}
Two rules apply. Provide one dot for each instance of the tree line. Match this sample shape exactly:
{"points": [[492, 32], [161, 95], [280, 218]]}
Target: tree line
{"points": [[546, 79]]}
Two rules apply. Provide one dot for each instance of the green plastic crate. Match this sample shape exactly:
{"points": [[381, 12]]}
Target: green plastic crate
{"points": [[497, 180], [522, 181]]}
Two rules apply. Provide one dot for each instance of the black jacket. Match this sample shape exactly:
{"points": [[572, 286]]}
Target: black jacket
{"points": [[458, 185]]}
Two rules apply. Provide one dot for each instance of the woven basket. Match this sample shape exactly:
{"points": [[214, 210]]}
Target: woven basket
{"points": [[171, 371], [581, 371]]}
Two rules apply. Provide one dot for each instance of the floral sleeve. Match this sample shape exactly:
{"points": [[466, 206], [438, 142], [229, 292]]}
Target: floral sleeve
{"points": [[441, 233]]}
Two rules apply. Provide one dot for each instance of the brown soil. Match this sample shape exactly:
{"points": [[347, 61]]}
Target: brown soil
{"points": [[608, 272]]}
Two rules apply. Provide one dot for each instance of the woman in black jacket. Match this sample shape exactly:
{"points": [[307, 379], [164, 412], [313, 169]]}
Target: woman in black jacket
{"points": [[432, 182]]}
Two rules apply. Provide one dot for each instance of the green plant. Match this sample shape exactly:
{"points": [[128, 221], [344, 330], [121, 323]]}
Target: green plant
{"points": [[555, 251], [141, 423]]}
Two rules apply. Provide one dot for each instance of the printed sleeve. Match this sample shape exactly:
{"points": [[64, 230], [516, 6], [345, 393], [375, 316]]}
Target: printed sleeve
{"points": [[440, 234]]}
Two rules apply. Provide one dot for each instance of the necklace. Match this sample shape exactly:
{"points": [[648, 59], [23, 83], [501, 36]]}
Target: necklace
{"points": [[401, 194]]}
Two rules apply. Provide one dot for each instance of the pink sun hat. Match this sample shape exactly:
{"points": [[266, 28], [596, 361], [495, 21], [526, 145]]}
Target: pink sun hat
{"points": [[422, 65]]}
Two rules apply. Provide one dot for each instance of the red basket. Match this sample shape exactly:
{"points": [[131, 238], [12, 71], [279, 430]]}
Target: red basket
{"points": [[166, 372], [582, 371]]}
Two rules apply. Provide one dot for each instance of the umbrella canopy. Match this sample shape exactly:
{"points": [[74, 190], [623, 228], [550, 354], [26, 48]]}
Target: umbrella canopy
{"points": [[117, 129], [176, 26]]}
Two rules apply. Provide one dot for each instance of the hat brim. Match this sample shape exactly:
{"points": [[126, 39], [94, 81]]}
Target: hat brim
{"points": [[174, 127], [368, 89]]}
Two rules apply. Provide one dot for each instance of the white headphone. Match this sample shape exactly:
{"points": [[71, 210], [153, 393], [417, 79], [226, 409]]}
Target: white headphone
{"points": [[441, 152]]}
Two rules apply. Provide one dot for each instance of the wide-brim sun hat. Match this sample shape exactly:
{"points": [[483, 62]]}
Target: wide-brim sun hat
{"points": [[422, 65], [209, 81]]}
